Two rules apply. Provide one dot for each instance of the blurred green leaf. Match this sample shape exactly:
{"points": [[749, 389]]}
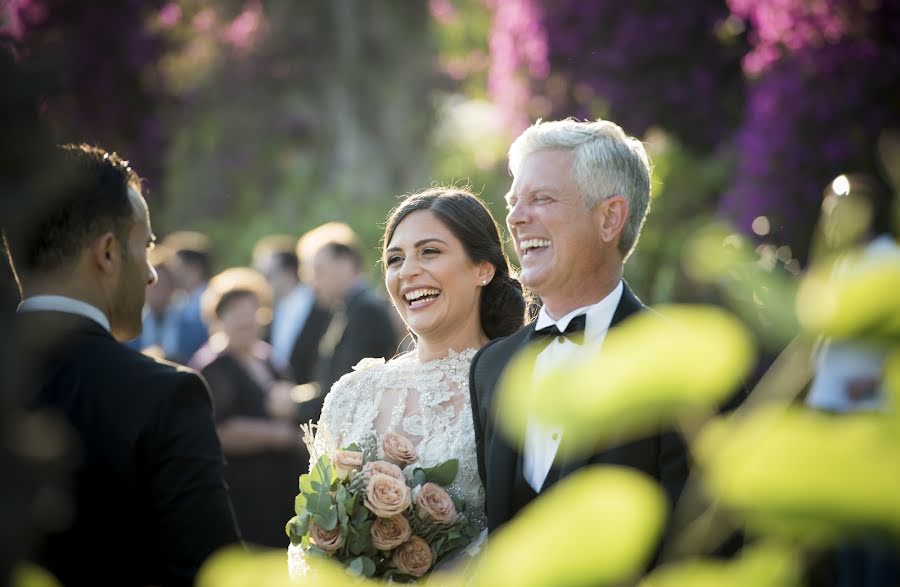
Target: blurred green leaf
{"points": [[321, 475], [772, 565], [806, 475], [31, 575], [598, 526], [652, 369], [300, 504], [238, 567], [853, 297]]}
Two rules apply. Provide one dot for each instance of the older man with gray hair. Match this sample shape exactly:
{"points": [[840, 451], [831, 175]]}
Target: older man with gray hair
{"points": [[579, 197]]}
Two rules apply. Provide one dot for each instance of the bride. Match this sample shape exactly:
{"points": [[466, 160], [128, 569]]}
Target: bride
{"points": [[449, 279]]}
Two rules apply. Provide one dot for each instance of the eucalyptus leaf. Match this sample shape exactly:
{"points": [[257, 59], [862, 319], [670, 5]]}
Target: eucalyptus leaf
{"points": [[354, 447], [355, 567], [320, 476], [319, 503], [443, 474], [300, 504], [419, 477], [328, 520], [306, 484]]}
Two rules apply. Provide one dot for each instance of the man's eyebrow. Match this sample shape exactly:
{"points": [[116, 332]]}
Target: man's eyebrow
{"points": [[432, 239]]}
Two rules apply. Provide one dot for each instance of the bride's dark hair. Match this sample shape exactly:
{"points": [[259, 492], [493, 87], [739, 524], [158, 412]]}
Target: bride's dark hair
{"points": [[502, 306]]}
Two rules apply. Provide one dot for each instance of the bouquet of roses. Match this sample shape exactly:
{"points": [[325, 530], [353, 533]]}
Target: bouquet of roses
{"points": [[380, 517]]}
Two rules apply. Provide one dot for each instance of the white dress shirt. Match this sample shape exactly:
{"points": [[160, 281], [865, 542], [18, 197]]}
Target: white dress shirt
{"points": [[288, 319], [542, 442], [64, 304]]}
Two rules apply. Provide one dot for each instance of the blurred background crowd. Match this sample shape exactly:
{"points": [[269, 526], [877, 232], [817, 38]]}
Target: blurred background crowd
{"points": [[274, 136]]}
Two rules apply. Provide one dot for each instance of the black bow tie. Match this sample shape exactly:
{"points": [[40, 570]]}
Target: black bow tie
{"points": [[575, 327]]}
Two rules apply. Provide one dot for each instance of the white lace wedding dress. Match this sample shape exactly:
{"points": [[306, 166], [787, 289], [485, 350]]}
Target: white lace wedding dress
{"points": [[428, 402]]}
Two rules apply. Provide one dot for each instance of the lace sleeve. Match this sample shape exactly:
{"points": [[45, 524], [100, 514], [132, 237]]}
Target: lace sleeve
{"points": [[326, 433]]}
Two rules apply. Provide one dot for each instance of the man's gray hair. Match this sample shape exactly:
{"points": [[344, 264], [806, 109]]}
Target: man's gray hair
{"points": [[607, 163]]}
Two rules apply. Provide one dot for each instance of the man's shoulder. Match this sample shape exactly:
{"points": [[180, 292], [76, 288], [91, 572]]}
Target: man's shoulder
{"points": [[496, 354]]}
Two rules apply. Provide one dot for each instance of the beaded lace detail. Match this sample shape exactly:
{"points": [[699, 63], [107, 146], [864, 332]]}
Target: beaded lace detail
{"points": [[427, 402]]}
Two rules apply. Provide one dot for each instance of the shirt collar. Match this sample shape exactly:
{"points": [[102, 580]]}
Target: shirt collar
{"points": [[65, 304], [598, 316]]}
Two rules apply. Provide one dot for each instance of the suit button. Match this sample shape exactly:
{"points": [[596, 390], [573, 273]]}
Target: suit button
{"points": [[560, 339], [555, 436]]}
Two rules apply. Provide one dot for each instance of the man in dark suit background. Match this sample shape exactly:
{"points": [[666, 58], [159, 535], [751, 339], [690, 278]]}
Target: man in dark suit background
{"points": [[579, 197], [149, 500], [361, 324]]}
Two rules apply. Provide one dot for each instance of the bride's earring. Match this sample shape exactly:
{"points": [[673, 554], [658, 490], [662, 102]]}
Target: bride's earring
{"points": [[484, 282]]}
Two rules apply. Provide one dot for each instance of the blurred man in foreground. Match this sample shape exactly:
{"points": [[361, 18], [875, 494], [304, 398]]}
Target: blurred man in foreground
{"points": [[149, 500]]}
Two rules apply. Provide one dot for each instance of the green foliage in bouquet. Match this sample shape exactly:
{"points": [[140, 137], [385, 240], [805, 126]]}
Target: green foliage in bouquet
{"points": [[376, 520]]}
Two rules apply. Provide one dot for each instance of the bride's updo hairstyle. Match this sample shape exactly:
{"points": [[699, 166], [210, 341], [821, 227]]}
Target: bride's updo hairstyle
{"points": [[502, 309]]}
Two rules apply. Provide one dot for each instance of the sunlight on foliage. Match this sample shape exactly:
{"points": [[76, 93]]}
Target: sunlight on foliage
{"points": [[804, 474], [773, 565], [652, 369], [596, 527], [235, 567], [757, 281], [853, 297], [30, 575]]}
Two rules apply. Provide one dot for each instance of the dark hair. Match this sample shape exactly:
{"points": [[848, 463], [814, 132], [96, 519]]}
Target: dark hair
{"points": [[286, 261], [193, 248], [345, 251], [87, 197], [502, 309]]}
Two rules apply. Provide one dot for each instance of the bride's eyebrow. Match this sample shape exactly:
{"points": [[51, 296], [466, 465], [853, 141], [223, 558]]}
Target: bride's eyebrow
{"points": [[418, 244]]}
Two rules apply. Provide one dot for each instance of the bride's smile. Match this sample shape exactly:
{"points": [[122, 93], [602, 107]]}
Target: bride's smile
{"points": [[433, 283]]}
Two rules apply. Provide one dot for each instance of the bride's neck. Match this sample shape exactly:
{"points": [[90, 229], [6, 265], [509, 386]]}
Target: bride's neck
{"points": [[429, 348]]}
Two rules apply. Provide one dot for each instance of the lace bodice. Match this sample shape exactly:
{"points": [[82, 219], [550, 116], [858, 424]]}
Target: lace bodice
{"points": [[428, 402]]}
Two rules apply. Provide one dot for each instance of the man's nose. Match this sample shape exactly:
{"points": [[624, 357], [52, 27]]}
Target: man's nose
{"points": [[516, 214]]}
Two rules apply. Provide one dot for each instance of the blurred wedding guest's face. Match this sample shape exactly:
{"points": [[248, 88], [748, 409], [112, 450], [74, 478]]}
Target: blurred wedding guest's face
{"points": [[556, 239], [432, 282], [136, 273], [238, 321], [332, 276]]}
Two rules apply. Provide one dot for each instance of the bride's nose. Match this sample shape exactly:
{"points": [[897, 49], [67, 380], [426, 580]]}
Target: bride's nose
{"points": [[410, 268]]}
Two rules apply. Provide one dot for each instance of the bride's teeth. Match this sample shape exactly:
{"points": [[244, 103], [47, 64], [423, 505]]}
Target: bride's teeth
{"points": [[415, 295]]}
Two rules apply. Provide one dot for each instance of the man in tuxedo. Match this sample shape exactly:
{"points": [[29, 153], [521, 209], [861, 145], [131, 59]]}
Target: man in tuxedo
{"points": [[579, 197], [149, 502]]}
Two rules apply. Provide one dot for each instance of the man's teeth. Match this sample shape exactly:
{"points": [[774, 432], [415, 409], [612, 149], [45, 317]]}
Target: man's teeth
{"points": [[416, 296], [534, 243]]}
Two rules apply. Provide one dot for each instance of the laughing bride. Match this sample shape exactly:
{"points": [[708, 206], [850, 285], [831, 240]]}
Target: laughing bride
{"points": [[449, 279]]}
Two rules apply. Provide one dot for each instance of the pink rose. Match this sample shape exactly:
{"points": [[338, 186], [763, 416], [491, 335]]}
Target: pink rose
{"points": [[398, 449], [435, 503], [389, 533], [328, 540], [345, 461], [383, 467], [413, 557], [386, 496]]}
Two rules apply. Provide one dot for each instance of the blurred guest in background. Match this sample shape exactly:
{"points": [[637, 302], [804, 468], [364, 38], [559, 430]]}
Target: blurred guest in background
{"points": [[149, 500], [253, 407], [159, 335], [298, 323], [361, 325], [191, 266]]}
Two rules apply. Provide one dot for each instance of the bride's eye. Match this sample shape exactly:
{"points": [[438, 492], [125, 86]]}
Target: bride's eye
{"points": [[392, 260], [430, 251]]}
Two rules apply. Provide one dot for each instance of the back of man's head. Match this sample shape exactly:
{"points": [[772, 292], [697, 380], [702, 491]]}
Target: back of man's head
{"points": [[86, 196]]}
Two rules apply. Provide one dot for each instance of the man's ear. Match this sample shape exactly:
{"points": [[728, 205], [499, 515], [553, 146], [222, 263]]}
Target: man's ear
{"points": [[105, 252], [613, 214], [485, 272]]}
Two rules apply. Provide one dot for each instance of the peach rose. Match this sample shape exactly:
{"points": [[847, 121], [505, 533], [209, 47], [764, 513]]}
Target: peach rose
{"points": [[398, 449], [388, 533], [413, 557], [435, 503], [386, 496], [327, 540], [383, 467], [345, 461]]}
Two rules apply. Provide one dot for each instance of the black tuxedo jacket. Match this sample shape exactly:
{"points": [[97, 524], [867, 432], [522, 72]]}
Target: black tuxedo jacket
{"points": [[149, 499], [305, 354], [662, 455]]}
